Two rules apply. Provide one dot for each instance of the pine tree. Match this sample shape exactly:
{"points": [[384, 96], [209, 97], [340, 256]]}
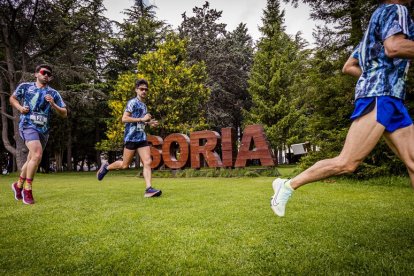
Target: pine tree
{"points": [[138, 34], [228, 58], [279, 64], [345, 21]]}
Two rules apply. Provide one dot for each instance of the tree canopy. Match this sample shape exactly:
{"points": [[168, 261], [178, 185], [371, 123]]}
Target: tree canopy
{"points": [[201, 76], [177, 93]]}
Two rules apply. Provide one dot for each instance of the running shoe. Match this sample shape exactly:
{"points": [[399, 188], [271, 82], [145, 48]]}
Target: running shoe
{"points": [[27, 197], [151, 192], [281, 196], [103, 170], [17, 191]]}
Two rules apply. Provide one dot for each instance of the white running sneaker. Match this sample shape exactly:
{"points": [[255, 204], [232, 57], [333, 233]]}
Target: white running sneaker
{"points": [[281, 196]]}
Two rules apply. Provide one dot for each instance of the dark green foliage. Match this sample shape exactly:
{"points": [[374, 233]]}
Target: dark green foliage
{"points": [[219, 172], [72, 37], [228, 58], [138, 34], [328, 98], [276, 81], [345, 20]]}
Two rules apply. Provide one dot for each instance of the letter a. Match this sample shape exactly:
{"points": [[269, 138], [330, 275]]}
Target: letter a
{"points": [[261, 148]]}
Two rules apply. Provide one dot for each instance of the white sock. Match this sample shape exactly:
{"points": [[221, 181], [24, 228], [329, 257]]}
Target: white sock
{"points": [[287, 185]]}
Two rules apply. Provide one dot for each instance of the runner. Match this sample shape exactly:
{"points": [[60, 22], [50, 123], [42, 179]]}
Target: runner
{"points": [[381, 63], [35, 102], [135, 118]]}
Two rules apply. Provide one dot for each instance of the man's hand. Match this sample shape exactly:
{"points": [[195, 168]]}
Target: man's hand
{"points": [[146, 118], [153, 123], [50, 99], [24, 109]]}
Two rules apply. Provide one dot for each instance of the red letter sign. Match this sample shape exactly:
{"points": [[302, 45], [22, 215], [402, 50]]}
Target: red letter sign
{"points": [[156, 152], [261, 149], [228, 146], [169, 154], [206, 150]]}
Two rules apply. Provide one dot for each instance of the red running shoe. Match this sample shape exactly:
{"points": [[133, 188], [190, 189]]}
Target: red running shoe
{"points": [[17, 191], [27, 197]]}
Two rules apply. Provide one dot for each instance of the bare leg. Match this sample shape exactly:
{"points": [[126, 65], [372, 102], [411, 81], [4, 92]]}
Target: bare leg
{"points": [[123, 164], [391, 145], [145, 155], [362, 137], [401, 143], [34, 158], [24, 168], [22, 178]]}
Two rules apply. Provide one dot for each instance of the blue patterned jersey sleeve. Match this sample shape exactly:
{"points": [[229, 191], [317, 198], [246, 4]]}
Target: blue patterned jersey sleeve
{"points": [[19, 92], [58, 99], [355, 52], [130, 106], [396, 21]]}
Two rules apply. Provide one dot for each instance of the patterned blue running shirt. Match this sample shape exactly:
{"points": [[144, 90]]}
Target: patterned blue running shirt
{"points": [[38, 117], [135, 132], [381, 75]]}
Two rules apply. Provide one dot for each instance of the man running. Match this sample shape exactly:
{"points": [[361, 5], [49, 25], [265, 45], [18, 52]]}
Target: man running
{"points": [[35, 102], [381, 63], [135, 118]]}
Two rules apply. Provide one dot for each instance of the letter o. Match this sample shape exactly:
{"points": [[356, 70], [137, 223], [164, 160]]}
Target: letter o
{"points": [[168, 154]]}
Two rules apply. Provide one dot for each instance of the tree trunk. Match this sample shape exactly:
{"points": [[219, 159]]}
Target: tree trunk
{"points": [[280, 155], [97, 152], [14, 164], [69, 149], [82, 164], [21, 150], [137, 160], [5, 125], [58, 159], [45, 163]]}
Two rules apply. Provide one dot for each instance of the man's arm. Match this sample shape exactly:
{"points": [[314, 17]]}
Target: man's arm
{"points": [[61, 111], [398, 46], [351, 67], [126, 118], [15, 103]]}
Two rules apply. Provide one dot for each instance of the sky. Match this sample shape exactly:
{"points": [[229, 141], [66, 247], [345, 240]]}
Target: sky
{"points": [[234, 12]]}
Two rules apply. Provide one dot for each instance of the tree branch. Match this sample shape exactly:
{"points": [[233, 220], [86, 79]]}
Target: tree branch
{"points": [[7, 115], [56, 43], [32, 20]]}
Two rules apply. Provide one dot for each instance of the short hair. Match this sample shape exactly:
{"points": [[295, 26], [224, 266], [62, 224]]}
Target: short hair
{"points": [[141, 81], [40, 66]]}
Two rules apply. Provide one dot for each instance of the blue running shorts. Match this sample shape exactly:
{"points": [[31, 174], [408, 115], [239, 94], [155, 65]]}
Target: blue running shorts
{"points": [[31, 134], [391, 112]]}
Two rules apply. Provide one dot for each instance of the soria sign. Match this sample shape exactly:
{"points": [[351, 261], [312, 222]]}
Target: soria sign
{"points": [[177, 150]]}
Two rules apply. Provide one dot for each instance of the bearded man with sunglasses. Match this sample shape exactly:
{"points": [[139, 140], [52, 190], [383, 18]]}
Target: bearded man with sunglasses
{"points": [[35, 102]]}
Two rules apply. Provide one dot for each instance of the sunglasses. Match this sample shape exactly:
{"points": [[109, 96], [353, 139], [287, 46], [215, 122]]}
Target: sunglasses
{"points": [[45, 72], [143, 88]]}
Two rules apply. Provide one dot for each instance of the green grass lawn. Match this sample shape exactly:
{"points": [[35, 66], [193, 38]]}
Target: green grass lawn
{"points": [[204, 226]]}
